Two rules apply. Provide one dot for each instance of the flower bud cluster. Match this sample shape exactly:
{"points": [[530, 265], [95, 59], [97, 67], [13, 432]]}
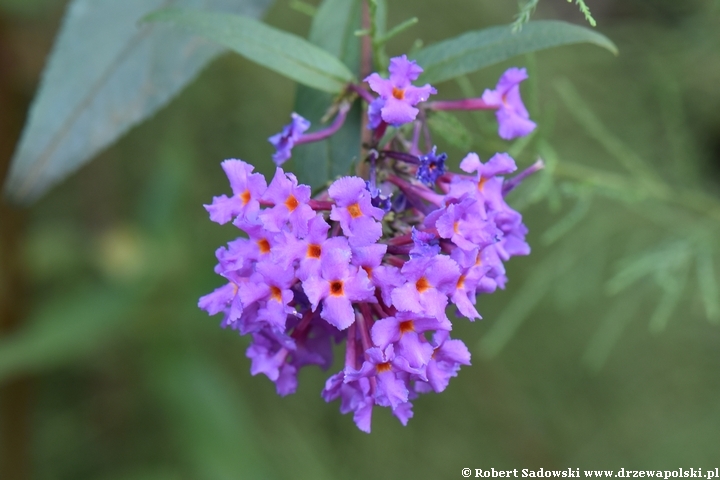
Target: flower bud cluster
{"points": [[371, 263]]}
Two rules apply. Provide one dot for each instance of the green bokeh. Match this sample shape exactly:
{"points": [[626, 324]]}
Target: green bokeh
{"points": [[132, 381]]}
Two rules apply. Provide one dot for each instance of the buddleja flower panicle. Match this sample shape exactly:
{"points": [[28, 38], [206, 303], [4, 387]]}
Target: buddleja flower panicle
{"points": [[373, 263]]}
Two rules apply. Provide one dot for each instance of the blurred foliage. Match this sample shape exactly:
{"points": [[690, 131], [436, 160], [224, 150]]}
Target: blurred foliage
{"points": [[602, 352], [528, 8]]}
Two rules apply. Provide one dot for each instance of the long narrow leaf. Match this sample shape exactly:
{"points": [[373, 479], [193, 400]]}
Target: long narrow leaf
{"points": [[708, 284], [285, 53], [474, 50], [103, 76]]}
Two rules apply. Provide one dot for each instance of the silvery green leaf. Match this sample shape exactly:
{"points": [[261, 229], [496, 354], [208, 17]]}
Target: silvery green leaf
{"points": [[283, 52], [477, 49], [105, 74]]}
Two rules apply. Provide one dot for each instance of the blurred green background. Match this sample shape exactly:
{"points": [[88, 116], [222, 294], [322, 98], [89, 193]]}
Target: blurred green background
{"points": [[599, 354]]}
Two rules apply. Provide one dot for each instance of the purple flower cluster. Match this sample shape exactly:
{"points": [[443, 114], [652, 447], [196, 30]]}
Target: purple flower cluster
{"points": [[311, 272]]}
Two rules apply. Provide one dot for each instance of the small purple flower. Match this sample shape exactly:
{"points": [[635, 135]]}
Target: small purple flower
{"points": [[405, 331], [338, 286], [309, 250], [375, 113], [431, 167], [269, 357], [465, 224], [426, 244], [488, 183], [354, 397], [378, 198], [223, 299], [290, 204], [398, 93], [384, 365], [354, 210], [276, 282], [247, 188], [512, 116], [446, 359], [429, 281], [352, 266], [285, 140]]}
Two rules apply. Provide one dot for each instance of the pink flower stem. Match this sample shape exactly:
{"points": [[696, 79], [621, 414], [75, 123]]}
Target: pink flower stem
{"points": [[466, 104], [302, 327], [365, 338], [399, 249], [401, 240], [379, 131], [416, 190], [335, 230], [365, 320], [379, 310], [321, 204], [364, 94], [404, 157], [509, 185], [325, 133], [447, 246], [350, 354], [395, 261], [389, 311]]}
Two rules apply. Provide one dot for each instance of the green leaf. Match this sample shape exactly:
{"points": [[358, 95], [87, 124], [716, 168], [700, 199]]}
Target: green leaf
{"points": [[610, 330], [566, 223], [672, 284], [450, 129], [474, 50], [669, 256], [211, 423], [93, 91], [280, 51], [65, 330], [594, 127], [332, 29], [708, 284], [535, 288]]}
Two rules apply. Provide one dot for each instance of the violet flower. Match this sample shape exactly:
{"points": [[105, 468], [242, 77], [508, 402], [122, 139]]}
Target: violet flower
{"points": [[285, 140], [398, 93], [247, 188], [512, 116], [344, 267]]}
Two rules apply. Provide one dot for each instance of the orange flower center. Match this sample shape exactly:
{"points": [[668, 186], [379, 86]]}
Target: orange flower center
{"points": [[368, 270], [481, 183], [276, 293], [291, 203], [245, 197], [263, 245], [407, 326], [398, 93], [354, 210], [383, 367], [314, 251], [461, 281], [422, 284], [336, 288]]}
